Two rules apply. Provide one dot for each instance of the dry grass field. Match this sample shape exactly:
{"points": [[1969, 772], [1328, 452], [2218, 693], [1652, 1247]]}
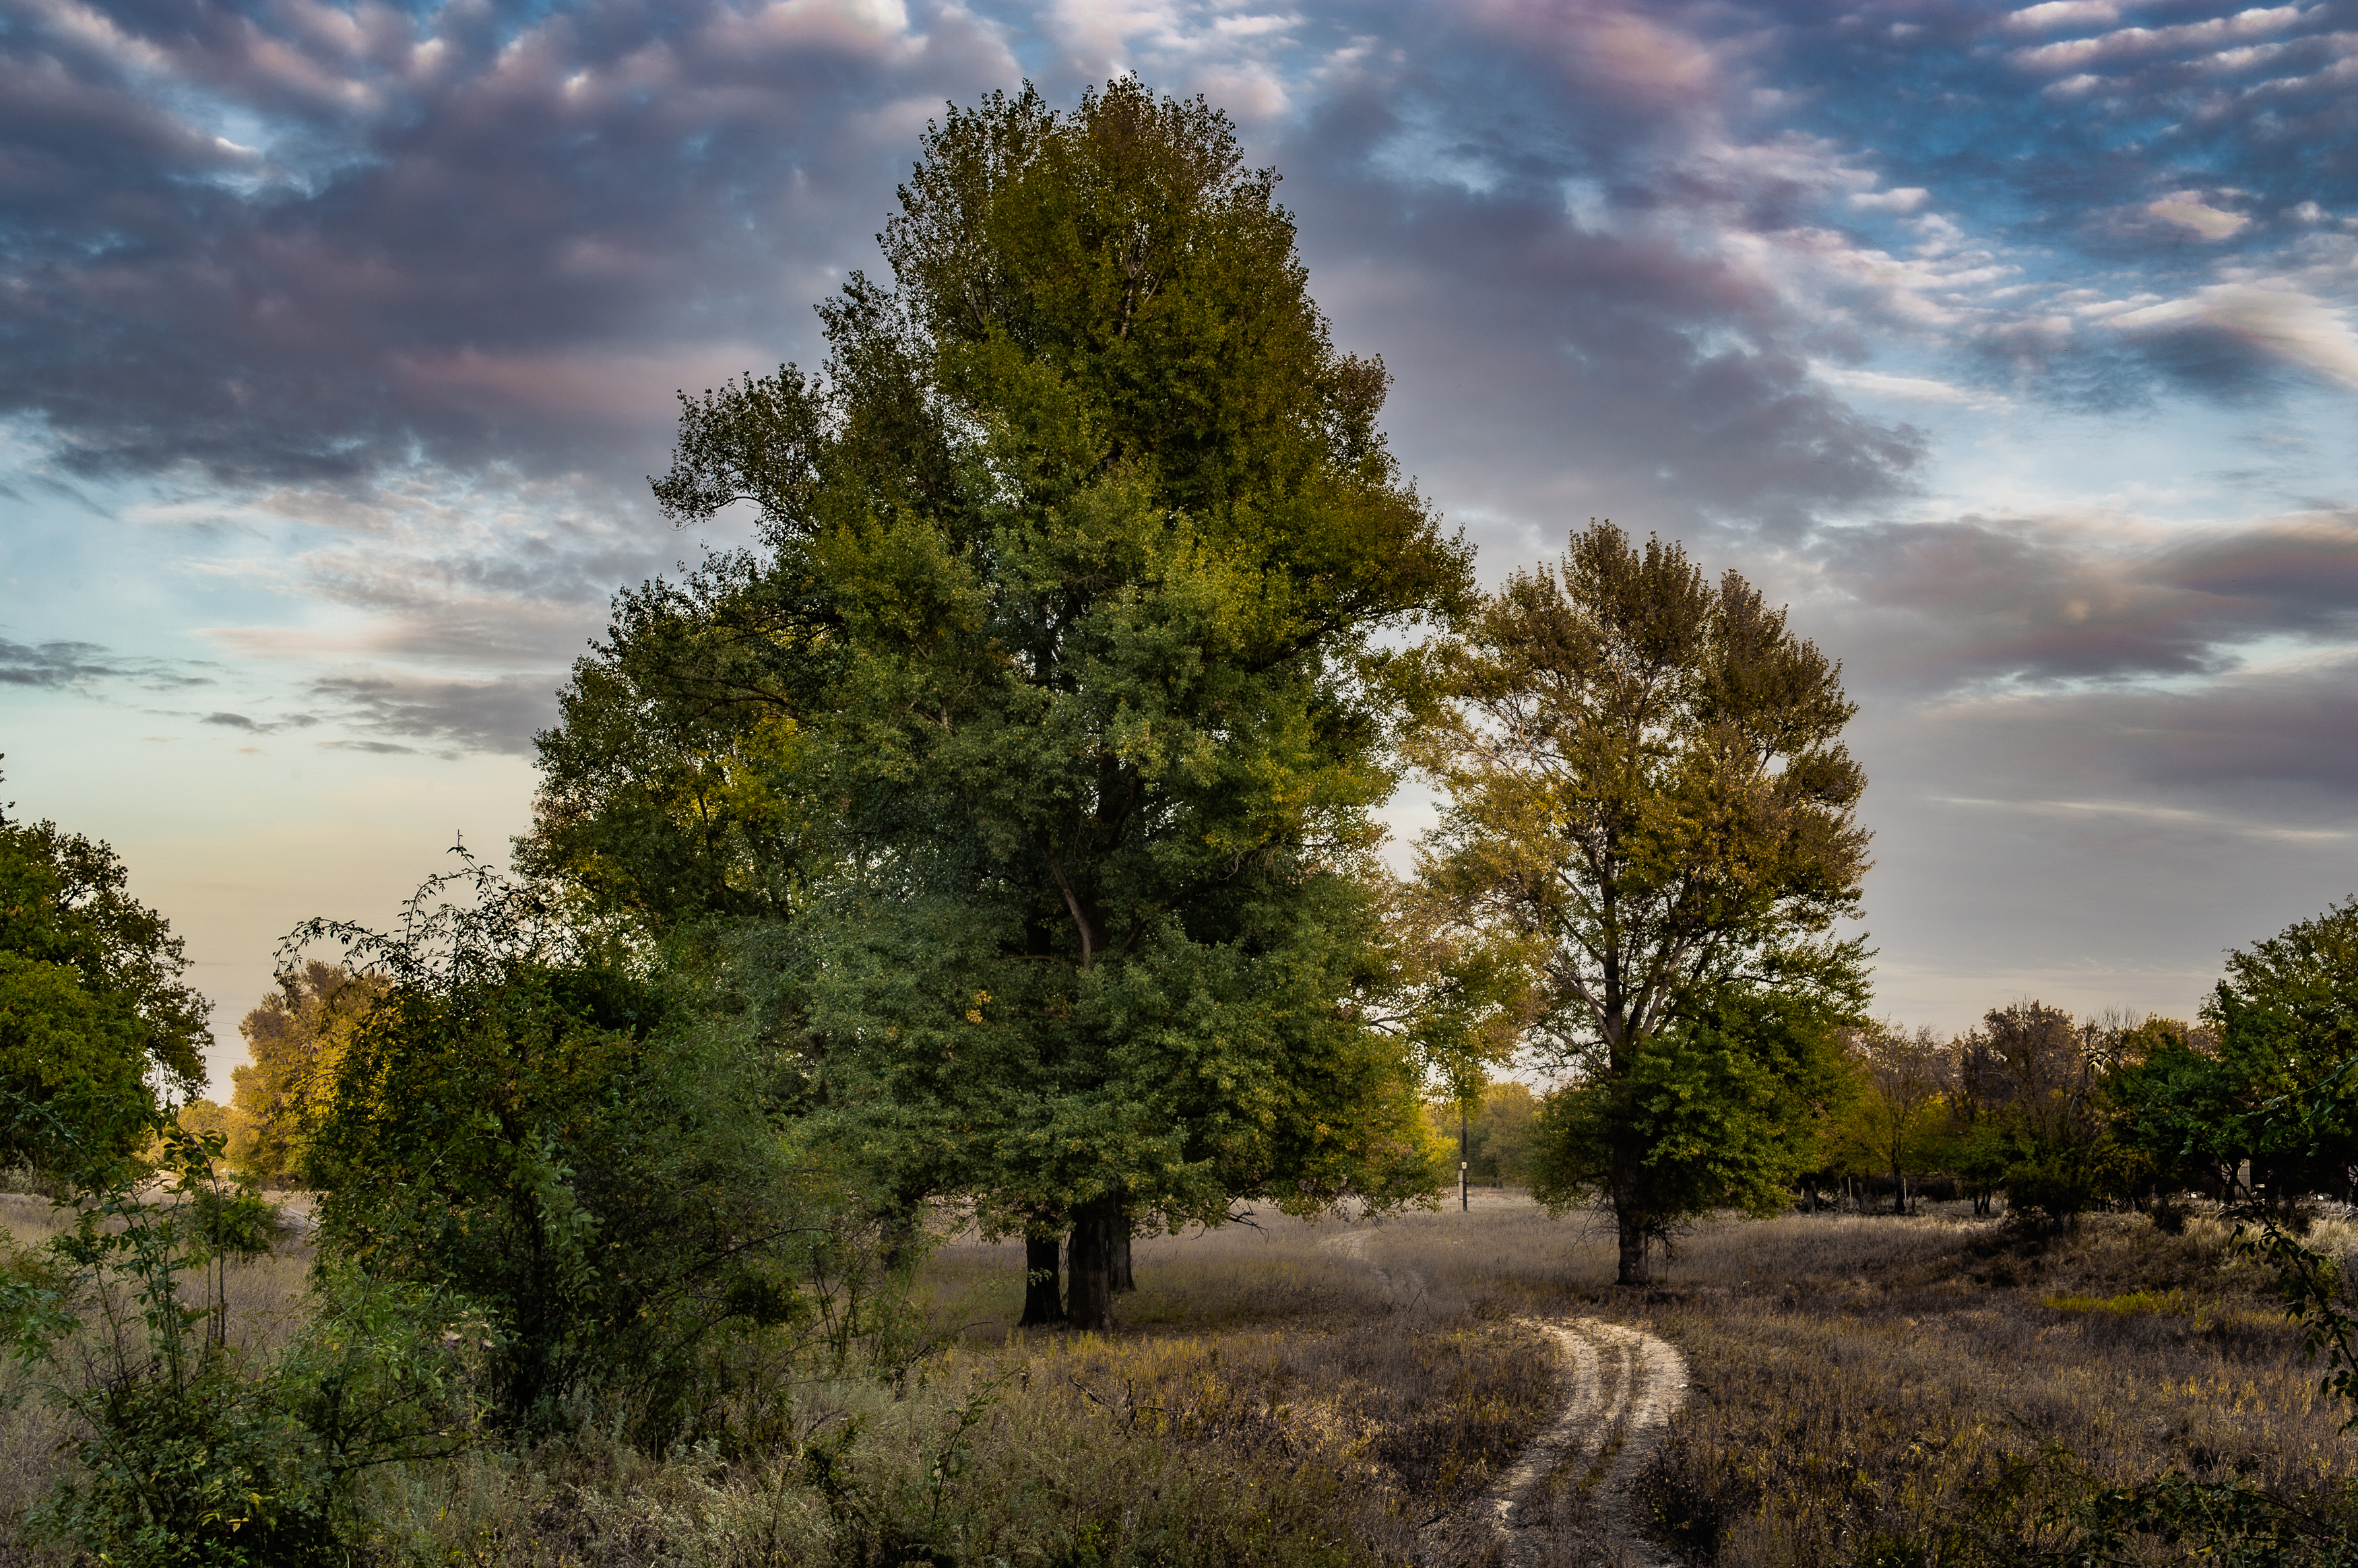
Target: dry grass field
{"points": [[1862, 1389]]}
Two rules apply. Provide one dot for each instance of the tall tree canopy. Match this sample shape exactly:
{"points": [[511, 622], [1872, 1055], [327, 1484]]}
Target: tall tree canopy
{"points": [[1648, 796], [1060, 662]]}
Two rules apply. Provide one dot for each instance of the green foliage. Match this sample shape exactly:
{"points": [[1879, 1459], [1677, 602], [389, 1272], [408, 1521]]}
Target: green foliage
{"points": [[1722, 1108], [235, 1222], [294, 1039], [665, 794], [1051, 717], [1651, 805], [2230, 1523], [545, 1132], [1500, 1133], [63, 903], [188, 1453], [78, 1053], [2286, 1018], [209, 1468]]}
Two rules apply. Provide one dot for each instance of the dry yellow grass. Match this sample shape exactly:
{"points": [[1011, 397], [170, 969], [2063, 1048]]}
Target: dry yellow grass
{"points": [[1862, 1384]]}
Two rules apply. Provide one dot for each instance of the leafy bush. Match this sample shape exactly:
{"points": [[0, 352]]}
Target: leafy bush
{"points": [[238, 1223], [553, 1133], [209, 1467]]}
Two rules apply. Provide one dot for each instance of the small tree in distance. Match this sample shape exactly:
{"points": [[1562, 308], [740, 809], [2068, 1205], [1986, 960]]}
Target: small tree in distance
{"points": [[1648, 800], [1907, 1078], [295, 1037]]}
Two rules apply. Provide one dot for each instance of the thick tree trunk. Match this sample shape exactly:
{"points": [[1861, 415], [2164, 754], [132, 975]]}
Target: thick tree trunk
{"points": [[1637, 1266], [1043, 1301], [903, 1226], [1630, 1220], [1088, 1289]]}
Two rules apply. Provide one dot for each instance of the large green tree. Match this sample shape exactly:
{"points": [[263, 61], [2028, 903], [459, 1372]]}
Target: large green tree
{"points": [[95, 1019], [1648, 799], [1062, 657]]}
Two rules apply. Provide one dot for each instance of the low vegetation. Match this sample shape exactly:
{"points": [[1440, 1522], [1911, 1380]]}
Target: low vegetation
{"points": [[1865, 1389]]}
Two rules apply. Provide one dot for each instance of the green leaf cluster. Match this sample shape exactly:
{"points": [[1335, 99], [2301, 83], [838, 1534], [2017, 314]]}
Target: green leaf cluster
{"points": [[191, 1450], [547, 1130], [2285, 1022], [1724, 1108]]}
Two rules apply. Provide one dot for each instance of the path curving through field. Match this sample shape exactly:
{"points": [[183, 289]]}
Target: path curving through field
{"points": [[1567, 1500]]}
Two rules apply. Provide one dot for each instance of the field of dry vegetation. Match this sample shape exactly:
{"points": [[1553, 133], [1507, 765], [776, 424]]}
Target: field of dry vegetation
{"points": [[1863, 1389]]}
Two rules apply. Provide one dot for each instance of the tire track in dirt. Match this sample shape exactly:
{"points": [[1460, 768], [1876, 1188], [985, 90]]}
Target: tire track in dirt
{"points": [[1567, 1500]]}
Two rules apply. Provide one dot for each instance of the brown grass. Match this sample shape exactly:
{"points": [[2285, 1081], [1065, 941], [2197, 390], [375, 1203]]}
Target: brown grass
{"points": [[1864, 1388], [1311, 1351]]}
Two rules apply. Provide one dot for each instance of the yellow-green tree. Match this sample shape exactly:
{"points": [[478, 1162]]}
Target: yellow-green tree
{"points": [[295, 1038], [1649, 798], [1498, 1127], [1900, 1121]]}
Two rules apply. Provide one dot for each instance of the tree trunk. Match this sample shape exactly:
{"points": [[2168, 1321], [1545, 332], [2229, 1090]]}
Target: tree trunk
{"points": [[1123, 1279], [903, 1226], [1629, 1218], [1088, 1289], [1898, 1191], [1635, 1265], [1043, 1301]]}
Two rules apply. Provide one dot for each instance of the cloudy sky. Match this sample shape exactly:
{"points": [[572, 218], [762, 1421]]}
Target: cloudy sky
{"points": [[2016, 349]]}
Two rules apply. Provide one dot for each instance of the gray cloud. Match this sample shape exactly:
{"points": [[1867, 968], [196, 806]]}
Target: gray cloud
{"points": [[1534, 234], [473, 239], [2266, 752], [60, 665], [1954, 606], [442, 715]]}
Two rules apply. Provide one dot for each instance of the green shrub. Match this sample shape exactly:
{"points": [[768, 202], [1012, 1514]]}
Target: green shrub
{"points": [[553, 1132], [188, 1451], [238, 1223], [209, 1467]]}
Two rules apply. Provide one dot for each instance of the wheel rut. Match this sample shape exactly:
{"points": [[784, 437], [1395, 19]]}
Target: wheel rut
{"points": [[1566, 1501], [1568, 1498]]}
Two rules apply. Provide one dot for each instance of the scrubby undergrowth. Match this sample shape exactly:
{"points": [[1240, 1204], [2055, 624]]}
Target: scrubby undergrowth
{"points": [[1865, 1390]]}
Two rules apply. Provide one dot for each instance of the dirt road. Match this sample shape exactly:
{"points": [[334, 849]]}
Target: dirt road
{"points": [[1565, 1502]]}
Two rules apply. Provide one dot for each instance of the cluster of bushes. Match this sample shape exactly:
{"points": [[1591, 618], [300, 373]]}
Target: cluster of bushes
{"points": [[560, 1191]]}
